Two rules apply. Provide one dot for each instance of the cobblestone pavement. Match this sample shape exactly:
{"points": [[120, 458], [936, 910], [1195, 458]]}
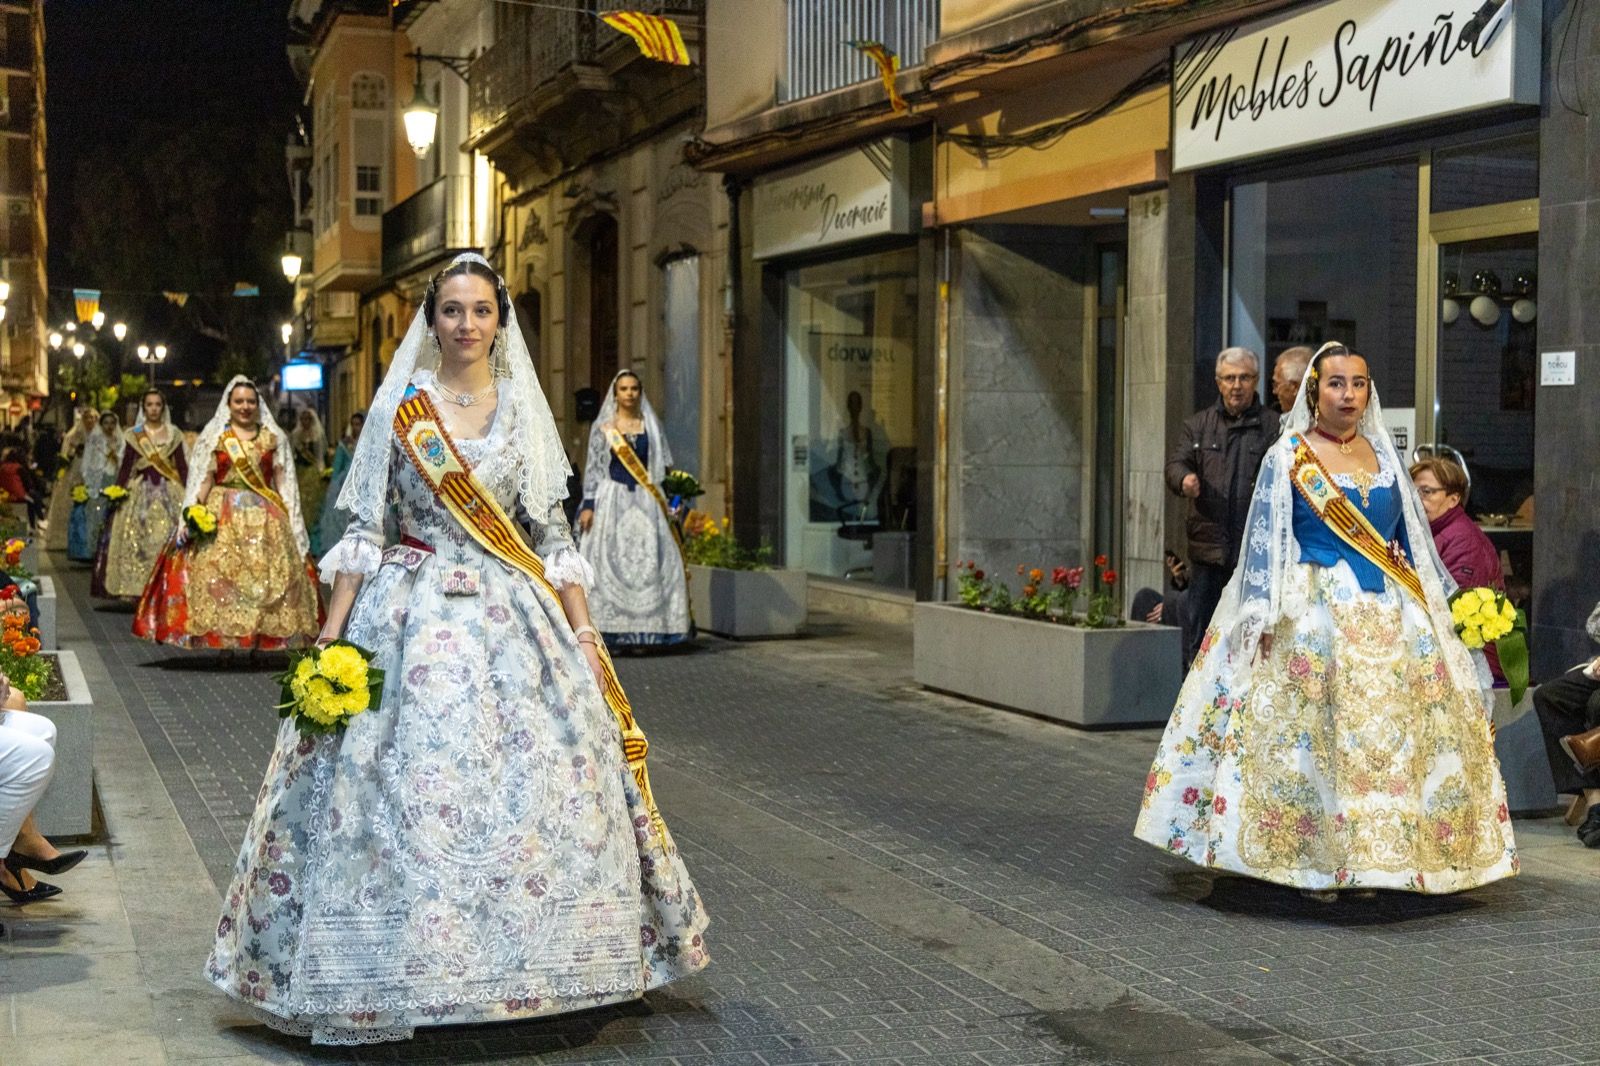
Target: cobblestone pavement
{"points": [[896, 876]]}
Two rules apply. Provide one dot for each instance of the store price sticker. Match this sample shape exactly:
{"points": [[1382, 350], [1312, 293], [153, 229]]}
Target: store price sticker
{"points": [[1558, 368]]}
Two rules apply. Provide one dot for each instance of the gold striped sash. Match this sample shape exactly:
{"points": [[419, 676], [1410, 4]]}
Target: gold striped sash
{"points": [[1317, 487], [249, 472], [155, 457], [634, 466], [428, 445]]}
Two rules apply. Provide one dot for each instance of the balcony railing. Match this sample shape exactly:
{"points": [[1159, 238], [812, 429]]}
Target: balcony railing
{"points": [[534, 49], [428, 226], [818, 60]]}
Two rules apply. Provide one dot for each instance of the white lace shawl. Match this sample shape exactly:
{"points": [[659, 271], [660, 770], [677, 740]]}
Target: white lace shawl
{"points": [[598, 462], [102, 455], [202, 463], [1258, 594], [534, 439]]}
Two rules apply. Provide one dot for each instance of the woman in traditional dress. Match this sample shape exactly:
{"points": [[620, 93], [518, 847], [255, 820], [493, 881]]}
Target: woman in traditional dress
{"points": [[59, 516], [1334, 731], [480, 847], [310, 455], [153, 470], [641, 596], [102, 456], [333, 520], [251, 585]]}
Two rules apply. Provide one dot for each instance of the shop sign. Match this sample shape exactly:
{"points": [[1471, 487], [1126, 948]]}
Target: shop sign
{"points": [[1344, 68], [849, 197]]}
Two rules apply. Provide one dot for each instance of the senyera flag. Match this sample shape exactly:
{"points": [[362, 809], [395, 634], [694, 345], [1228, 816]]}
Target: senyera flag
{"points": [[658, 38], [888, 66]]}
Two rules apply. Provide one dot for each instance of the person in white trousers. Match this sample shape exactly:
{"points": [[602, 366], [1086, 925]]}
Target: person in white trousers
{"points": [[27, 756]]}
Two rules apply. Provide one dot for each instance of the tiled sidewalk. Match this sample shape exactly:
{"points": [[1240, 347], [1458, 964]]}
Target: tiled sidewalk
{"points": [[892, 876]]}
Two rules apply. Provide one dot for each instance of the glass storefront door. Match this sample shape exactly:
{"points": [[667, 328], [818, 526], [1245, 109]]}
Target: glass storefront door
{"points": [[850, 412]]}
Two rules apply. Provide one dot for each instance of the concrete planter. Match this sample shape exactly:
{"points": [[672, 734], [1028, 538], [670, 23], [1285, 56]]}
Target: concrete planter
{"points": [[746, 604], [1127, 676], [47, 612], [64, 810]]}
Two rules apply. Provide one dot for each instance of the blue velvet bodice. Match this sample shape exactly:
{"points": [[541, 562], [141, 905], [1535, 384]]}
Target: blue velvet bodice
{"points": [[1320, 546], [641, 448]]}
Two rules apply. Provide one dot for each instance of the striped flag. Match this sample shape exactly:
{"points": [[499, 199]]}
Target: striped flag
{"points": [[888, 66], [658, 38], [87, 302]]}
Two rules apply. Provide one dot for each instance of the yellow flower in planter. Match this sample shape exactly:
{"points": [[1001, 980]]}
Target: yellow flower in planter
{"points": [[80, 494]]}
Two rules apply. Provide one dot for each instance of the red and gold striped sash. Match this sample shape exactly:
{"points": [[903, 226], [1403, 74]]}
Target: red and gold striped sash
{"points": [[635, 466], [249, 472], [153, 455], [1317, 487], [433, 453]]}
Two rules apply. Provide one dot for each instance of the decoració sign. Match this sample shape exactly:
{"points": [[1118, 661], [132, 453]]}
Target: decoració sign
{"points": [[848, 197], [1345, 68]]}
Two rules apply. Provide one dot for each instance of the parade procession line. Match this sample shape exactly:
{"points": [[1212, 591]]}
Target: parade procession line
{"points": [[892, 877]]}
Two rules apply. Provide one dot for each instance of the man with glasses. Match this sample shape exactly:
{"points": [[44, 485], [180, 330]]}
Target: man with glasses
{"points": [[1214, 467]]}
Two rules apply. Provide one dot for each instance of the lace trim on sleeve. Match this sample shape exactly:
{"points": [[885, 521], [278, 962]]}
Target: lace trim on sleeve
{"points": [[356, 553], [565, 566]]}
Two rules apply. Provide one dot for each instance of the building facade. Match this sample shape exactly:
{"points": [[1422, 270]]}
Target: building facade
{"points": [[24, 354], [1082, 205]]}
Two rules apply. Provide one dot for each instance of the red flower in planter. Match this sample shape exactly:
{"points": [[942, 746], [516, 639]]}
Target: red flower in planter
{"points": [[1101, 561], [1109, 577], [1058, 576]]}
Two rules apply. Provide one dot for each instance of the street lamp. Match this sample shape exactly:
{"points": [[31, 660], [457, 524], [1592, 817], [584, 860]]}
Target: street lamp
{"points": [[421, 116], [287, 329], [78, 349], [160, 352], [56, 339], [144, 353], [291, 265], [98, 319], [120, 331], [5, 290]]}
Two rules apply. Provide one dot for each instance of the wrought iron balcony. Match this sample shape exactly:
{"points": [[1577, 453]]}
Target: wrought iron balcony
{"points": [[429, 226], [535, 50]]}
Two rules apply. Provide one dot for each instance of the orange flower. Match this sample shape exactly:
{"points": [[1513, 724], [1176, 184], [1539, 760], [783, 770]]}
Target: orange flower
{"points": [[1029, 590], [1036, 575]]}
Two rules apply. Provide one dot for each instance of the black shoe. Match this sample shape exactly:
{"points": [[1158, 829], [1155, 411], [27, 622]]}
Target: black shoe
{"points": [[1589, 831], [16, 862], [21, 897]]}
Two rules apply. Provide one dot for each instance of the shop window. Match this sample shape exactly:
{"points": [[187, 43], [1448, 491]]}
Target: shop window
{"points": [[1329, 257], [1481, 174], [851, 415]]}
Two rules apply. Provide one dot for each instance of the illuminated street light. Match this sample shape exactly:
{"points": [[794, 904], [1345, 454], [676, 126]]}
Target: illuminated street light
{"points": [[98, 320], [160, 352], [5, 290], [120, 331], [287, 330], [144, 353], [78, 349], [421, 118], [292, 262], [56, 339]]}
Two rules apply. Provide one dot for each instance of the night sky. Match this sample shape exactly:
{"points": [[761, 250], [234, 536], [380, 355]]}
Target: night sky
{"points": [[166, 123]]}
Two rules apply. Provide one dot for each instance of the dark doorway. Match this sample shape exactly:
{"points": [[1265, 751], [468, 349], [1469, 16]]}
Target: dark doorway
{"points": [[603, 314]]}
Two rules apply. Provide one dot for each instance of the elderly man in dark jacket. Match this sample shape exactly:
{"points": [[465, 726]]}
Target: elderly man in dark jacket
{"points": [[1214, 466]]}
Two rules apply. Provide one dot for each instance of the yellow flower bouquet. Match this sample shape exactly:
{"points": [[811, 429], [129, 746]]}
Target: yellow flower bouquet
{"points": [[114, 494], [80, 494], [201, 522], [1483, 616], [325, 687]]}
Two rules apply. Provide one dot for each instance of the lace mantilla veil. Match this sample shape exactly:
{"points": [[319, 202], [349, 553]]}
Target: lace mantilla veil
{"points": [[530, 433], [1258, 594], [201, 463], [599, 458]]}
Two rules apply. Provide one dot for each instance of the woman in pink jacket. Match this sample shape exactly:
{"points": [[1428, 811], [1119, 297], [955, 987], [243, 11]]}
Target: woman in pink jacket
{"points": [[1468, 554]]}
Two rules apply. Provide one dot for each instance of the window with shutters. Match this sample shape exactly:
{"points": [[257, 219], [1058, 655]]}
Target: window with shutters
{"points": [[369, 148]]}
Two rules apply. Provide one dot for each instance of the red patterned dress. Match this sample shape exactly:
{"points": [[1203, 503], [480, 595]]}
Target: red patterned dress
{"points": [[249, 586]]}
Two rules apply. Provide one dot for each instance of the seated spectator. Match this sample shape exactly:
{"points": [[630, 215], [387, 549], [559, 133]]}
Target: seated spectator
{"points": [[1569, 714], [1468, 554], [11, 481], [27, 756]]}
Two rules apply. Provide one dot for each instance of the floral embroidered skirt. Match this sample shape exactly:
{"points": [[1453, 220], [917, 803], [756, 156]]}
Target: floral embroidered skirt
{"points": [[474, 850], [139, 527], [247, 587], [641, 594], [1347, 758]]}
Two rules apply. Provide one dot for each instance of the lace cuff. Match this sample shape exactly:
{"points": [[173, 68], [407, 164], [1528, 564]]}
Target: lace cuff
{"points": [[354, 554], [566, 567]]}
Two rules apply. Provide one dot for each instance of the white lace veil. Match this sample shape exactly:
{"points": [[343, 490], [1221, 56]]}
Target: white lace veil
{"points": [[598, 461], [1258, 593], [316, 437], [166, 412], [102, 453], [531, 429], [203, 463]]}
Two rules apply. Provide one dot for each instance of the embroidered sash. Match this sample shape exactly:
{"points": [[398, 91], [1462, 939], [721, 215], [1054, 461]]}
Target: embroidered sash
{"points": [[155, 457], [249, 472], [427, 443], [633, 465], [1317, 487]]}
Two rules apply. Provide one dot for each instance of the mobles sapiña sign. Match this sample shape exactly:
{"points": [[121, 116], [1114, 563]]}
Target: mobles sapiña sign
{"points": [[848, 197], [1345, 68]]}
